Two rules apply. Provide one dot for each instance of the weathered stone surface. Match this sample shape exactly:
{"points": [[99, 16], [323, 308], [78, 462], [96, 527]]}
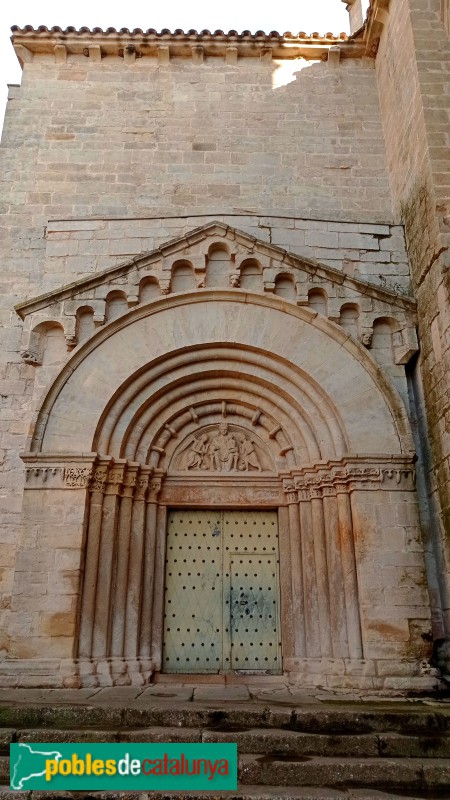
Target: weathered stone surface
{"points": [[257, 280], [380, 773]]}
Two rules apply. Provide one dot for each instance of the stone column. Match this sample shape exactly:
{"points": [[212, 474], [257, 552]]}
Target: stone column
{"points": [[321, 562], [97, 488], [349, 570], [123, 554], [298, 603], [107, 555], [286, 615], [133, 603], [311, 594], [158, 603], [335, 577], [148, 580]]}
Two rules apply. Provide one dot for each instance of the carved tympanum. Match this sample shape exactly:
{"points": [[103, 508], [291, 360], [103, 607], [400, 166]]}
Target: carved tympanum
{"points": [[221, 450]]}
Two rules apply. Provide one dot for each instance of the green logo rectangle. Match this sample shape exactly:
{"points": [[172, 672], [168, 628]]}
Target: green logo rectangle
{"points": [[121, 767]]}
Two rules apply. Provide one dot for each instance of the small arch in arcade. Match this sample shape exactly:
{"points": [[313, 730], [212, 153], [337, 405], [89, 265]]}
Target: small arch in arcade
{"points": [[349, 319], [183, 278], [285, 286], [251, 275], [116, 305], [148, 289], [217, 265], [318, 301]]}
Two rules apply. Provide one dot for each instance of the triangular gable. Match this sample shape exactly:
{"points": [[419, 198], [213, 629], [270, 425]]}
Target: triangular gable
{"points": [[294, 277]]}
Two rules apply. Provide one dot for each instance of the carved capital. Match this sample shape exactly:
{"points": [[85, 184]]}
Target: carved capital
{"points": [[77, 477], [154, 488], [350, 475], [99, 478], [290, 492], [142, 483], [129, 481]]}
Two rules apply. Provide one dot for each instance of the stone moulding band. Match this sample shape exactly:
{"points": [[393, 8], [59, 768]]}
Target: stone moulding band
{"points": [[131, 45], [107, 475]]}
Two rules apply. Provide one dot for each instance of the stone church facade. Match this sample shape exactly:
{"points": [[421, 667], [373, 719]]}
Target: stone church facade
{"points": [[225, 409]]}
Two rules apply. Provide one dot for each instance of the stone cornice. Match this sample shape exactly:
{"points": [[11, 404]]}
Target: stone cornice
{"points": [[137, 43], [363, 473], [93, 472]]}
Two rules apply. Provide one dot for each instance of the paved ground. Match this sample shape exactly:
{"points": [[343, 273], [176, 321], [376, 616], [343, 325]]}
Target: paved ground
{"points": [[253, 695]]}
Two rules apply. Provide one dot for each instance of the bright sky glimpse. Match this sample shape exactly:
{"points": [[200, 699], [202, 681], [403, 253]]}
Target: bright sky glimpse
{"points": [[283, 15]]}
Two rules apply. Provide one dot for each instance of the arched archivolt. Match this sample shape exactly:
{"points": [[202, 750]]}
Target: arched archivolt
{"points": [[302, 363], [150, 397], [268, 391]]}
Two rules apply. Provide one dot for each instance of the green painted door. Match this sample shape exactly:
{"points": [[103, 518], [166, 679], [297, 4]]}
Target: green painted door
{"points": [[222, 592]]}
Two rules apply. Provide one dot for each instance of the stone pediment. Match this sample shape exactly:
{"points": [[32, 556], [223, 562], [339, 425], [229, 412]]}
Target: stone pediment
{"points": [[215, 256]]}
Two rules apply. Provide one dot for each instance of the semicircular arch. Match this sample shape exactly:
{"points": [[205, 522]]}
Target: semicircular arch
{"points": [[346, 389]]}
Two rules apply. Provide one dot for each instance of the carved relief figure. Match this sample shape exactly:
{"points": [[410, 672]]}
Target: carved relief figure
{"points": [[197, 453], [248, 454], [224, 450]]}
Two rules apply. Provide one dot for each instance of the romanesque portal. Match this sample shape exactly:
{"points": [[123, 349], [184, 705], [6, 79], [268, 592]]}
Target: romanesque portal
{"points": [[224, 493]]}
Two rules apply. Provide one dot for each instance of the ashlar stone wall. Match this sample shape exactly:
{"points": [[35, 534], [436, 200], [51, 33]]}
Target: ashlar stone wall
{"points": [[413, 76]]}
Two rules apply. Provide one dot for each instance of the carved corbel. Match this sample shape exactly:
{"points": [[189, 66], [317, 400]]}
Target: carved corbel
{"points": [[31, 356], [231, 55], [163, 54], [71, 340], [409, 346], [197, 54], [60, 51], [334, 56], [94, 52], [367, 337], [23, 54], [129, 54]]}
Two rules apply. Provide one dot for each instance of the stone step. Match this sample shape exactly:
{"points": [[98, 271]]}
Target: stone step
{"points": [[386, 745], [243, 793], [287, 769], [374, 773], [263, 741], [349, 720]]}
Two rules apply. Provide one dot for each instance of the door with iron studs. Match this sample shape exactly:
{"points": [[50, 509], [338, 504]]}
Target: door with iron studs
{"points": [[222, 610]]}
